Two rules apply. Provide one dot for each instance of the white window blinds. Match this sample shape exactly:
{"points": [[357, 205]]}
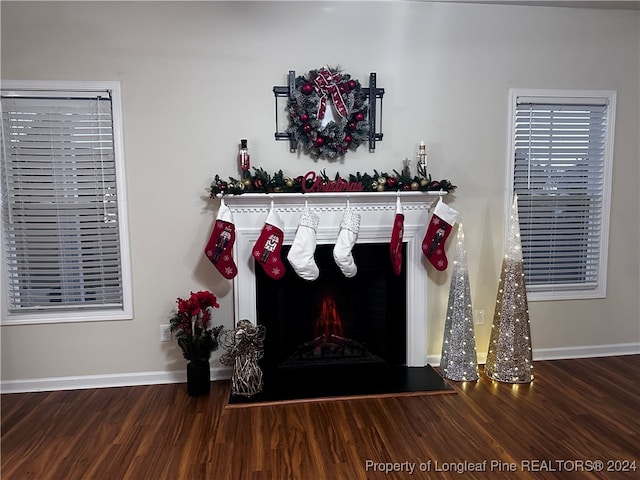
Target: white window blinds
{"points": [[560, 175], [60, 195]]}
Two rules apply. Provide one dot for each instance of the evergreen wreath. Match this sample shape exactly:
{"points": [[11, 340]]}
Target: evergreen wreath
{"points": [[307, 106]]}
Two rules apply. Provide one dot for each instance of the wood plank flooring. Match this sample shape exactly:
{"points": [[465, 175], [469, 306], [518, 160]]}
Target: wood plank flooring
{"points": [[575, 410]]}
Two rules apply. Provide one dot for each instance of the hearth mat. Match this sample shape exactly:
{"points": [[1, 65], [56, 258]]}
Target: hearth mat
{"points": [[343, 382]]}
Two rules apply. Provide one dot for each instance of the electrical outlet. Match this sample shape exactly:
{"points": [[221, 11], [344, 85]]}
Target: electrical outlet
{"points": [[479, 317], [165, 333]]}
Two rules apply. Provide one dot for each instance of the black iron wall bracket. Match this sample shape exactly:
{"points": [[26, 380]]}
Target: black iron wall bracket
{"points": [[373, 94]]}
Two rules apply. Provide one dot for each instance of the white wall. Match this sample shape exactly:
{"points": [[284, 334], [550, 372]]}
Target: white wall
{"points": [[197, 77]]}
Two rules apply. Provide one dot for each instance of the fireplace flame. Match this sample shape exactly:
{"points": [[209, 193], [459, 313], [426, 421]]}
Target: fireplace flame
{"points": [[328, 322]]}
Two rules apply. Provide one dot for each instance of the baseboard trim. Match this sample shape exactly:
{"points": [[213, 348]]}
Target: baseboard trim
{"points": [[562, 353], [224, 373], [105, 381], [591, 351]]}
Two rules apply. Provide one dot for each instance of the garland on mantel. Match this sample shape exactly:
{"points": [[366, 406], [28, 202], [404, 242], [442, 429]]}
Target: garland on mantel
{"points": [[263, 182]]}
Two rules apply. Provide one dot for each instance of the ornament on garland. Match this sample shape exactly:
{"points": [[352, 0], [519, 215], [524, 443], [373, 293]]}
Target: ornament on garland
{"points": [[263, 182], [312, 123]]}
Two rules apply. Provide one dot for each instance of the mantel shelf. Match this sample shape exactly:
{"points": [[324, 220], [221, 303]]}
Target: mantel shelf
{"points": [[330, 195]]}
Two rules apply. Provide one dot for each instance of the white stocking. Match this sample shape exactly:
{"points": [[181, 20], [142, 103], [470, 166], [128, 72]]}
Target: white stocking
{"points": [[304, 246], [349, 228]]}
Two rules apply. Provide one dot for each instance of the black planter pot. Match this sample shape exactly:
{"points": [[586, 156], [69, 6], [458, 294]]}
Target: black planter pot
{"points": [[198, 379]]}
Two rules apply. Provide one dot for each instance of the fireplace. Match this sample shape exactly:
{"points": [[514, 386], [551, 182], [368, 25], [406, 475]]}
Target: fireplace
{"points": [[377, 211], [335, 320]]}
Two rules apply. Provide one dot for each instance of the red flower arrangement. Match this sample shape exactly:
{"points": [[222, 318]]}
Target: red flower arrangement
{"points": [[192, 324]]}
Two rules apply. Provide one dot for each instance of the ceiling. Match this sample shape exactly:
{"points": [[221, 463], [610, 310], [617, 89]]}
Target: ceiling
{"points": [[599, 4]]}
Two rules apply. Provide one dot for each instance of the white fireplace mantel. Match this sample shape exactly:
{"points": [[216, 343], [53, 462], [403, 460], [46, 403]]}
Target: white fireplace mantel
{"points": [[377, 210]]}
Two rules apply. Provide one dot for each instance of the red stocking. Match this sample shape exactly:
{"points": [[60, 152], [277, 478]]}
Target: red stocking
{"points": [[266, 250], [443, 219], [396, 239], [219, 248]]}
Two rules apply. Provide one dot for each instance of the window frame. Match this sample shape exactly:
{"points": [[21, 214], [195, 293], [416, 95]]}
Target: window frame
{"points": [[548, 291], [52, 315]]}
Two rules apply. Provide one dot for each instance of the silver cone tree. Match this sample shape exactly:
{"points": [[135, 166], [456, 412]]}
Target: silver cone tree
{"points": [[459, 359], [509, 357]]}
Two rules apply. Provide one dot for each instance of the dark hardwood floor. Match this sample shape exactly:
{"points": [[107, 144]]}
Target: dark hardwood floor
{"points": [[575, 411]]}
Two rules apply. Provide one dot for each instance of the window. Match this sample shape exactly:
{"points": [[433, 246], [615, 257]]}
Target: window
{"points": [[561, 158], [65, 254]]}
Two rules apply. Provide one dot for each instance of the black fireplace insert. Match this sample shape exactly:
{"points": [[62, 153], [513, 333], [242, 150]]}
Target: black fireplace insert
{"points": [[334, 320]]}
